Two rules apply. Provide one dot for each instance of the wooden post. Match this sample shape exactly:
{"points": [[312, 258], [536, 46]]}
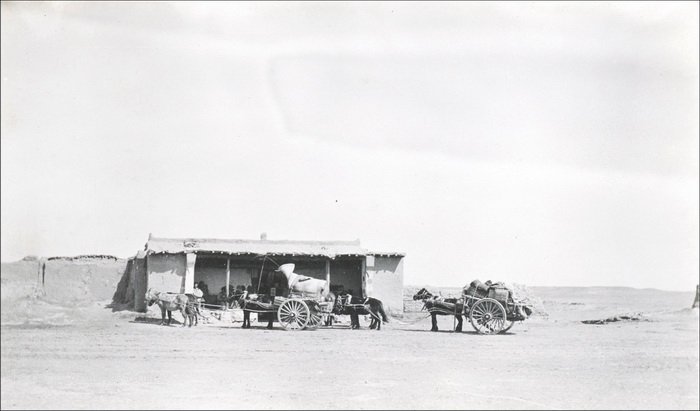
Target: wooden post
{"points": [[141, 296], [367, 281], [228, 275], [454, 319], [696, 303], [328, 274], [188, 286]]}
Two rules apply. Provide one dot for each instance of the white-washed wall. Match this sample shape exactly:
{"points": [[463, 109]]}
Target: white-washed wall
{"points": [[386, 281], [166, 272]]}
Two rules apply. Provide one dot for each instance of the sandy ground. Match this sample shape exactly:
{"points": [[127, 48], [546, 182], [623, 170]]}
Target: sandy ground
{"points": [[111, 360]]}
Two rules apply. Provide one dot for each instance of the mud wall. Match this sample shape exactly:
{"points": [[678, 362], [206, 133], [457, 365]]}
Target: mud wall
{"points": [[80, 281], [66, 281], [20, 280], [166, 272], [211, 271], [385, 278], [139, 282]]}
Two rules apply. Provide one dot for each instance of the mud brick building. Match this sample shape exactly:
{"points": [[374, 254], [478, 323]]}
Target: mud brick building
{"points": [[175, 264]]}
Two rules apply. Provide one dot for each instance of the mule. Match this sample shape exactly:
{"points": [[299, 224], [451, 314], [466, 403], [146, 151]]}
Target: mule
{"points": [[356, 306], [440, 306], [185, 303]]}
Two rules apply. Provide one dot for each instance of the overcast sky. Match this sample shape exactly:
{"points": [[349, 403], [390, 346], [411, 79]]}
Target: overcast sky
{"points": [[535, 143]]}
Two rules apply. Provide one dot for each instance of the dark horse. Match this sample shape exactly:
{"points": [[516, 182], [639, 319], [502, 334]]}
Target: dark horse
{"points": [[262, 302], [259, 304], [356, 306], [441, 306], [185, 303]]}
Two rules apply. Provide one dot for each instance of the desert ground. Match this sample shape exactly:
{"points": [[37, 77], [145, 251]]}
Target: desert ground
{"points": [[96, 357]]}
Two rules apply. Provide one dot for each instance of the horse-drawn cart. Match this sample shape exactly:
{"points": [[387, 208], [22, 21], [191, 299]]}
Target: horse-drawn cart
{"points": [[491, 308], [293, 312], [302, 305]]}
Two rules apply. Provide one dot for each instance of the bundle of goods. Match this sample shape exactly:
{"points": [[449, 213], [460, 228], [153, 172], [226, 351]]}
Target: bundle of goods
{"points": [[500, 292], [497, 291], [476, 289]]}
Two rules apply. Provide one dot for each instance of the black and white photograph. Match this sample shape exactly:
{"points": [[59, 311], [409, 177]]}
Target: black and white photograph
{"points": [[337, 205]]}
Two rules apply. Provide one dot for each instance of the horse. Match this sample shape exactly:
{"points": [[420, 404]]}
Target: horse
{"points": [[255, 302], [356, 306], [185, 303], [440, 306], [262, 302]]}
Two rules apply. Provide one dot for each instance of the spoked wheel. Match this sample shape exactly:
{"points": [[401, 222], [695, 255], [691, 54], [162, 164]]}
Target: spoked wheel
{"points": [[315, 320], [319, 314], [294, 315], [488, 316]]}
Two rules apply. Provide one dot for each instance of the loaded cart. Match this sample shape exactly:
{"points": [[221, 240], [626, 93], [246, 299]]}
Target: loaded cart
{"points": [[296, 313], [293, 312], [301, 305], [491, 308]]}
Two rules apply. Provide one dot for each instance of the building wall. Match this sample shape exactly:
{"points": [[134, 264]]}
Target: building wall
{"points": [[241, 276], [215, 277], [309, 268], [140, 283], [211, 271], [130, 290], [166, 272], [386, 278], [344, 271], [347, 273]]}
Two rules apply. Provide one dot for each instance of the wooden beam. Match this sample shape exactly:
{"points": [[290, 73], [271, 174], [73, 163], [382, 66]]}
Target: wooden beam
{"points": [[365, 278], [191, 259], [228, 275]]}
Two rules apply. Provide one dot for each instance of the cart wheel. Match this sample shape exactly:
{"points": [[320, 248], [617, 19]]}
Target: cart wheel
{"points": [[488, 316], [315, 320], [293, 314], [509, 325], [317, 315]]}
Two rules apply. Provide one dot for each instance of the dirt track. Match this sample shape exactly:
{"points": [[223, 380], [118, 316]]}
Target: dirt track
{"points": [[114, 362]]}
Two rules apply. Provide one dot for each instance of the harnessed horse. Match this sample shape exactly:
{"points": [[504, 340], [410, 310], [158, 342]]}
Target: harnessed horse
{"points": [[255, 303], [356, 306], [440, 306]]}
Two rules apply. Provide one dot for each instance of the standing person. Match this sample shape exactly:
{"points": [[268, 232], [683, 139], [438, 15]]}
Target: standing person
{"points": [[199, 294]]}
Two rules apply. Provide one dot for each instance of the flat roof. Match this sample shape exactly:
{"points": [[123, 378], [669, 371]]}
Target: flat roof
{"points": [[330, 249]]}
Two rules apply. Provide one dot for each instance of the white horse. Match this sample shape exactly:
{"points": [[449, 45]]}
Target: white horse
{"points": [[307, 286]]}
